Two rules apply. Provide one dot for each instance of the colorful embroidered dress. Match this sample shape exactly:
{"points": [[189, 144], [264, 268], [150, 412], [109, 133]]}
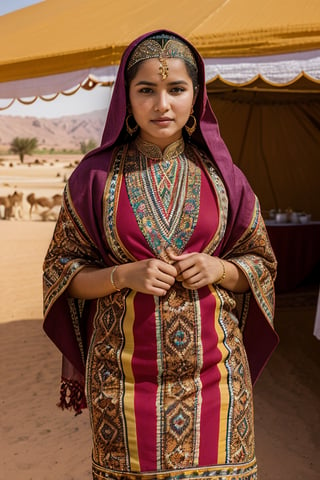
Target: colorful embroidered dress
{"points": [[168, 383], [168, 380]]}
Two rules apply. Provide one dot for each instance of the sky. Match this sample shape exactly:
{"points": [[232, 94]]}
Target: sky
{"points": [[81, 102], [7, 6]]}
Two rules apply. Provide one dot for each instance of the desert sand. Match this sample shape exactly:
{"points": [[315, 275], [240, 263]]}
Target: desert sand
{"points": [[40, 442]]}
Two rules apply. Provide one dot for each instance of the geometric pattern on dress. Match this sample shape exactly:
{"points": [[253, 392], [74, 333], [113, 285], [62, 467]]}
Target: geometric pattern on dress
{"points": [[166, 208], [164, 177], [158, 243], [241, 446], [105, 385], [179, 389], [179, 420], [245, 471]]}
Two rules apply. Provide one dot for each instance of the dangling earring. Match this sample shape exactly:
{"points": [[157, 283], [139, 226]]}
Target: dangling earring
{"points": [[191, 129], [130, 130]]}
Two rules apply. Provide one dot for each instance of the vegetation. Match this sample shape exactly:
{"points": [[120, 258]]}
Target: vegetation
{"points": [[85, 147], [30, 146], [23, 146], [57, 151]]}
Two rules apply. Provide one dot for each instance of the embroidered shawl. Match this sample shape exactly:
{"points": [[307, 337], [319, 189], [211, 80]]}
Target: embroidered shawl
{"points": [[67, 321]]}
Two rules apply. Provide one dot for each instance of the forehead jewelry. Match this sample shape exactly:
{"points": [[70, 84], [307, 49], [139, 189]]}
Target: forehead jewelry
{"points": [[164, 69], [151, 48]]}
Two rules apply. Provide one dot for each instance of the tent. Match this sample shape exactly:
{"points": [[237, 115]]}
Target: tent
{"points": [[262, 64], [273, 134]]}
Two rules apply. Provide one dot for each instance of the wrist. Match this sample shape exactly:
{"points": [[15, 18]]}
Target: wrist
{"points": [[114, 278], [223, 273]]}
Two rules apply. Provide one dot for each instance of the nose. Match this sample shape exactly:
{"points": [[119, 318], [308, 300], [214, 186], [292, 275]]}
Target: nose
{"points": [[162, 102]]}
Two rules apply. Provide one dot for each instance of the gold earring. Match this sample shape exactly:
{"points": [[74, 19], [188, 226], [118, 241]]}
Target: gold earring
{"points": [[131, 130], [191, 129]]}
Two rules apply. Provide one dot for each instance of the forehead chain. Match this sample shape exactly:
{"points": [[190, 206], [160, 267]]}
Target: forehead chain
{"points": [[172, 48]]}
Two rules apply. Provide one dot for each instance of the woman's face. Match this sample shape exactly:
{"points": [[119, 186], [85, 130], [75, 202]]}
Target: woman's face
{"points": [[161, 107]]}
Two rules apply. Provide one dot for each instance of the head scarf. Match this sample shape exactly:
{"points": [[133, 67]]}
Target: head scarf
{"points": [[206, 136]]}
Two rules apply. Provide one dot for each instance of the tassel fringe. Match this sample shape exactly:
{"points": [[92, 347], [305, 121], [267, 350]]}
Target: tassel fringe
{"points": [[72, 396]]}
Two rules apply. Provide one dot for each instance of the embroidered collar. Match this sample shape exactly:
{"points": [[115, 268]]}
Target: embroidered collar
{"points": [[151, 150]]}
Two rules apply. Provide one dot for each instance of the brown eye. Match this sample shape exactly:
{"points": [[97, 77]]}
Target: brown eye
{"points": [[146, 90], [178, 90]]}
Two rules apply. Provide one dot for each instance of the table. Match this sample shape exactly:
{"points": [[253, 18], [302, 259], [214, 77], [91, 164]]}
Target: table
{"points": [[316, 330], [297, 248]]}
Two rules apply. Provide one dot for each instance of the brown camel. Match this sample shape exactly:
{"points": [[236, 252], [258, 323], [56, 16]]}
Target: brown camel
{"points": [[45, 202], [11, 206]]}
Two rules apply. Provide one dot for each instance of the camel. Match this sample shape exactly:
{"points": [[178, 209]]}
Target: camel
{"points": [[6, 207], [17, 204], [45, 202], [11, 206]]}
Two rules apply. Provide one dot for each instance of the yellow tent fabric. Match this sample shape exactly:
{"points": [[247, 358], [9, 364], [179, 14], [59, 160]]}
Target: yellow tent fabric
{"points": [[57, 36], [272, 131], [274, 137]]}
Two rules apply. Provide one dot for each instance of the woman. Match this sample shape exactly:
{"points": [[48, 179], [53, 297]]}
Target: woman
{"points": [[159, 280]]}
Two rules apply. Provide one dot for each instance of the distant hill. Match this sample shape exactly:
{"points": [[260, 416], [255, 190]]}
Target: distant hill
{"points": [[58, 133]]}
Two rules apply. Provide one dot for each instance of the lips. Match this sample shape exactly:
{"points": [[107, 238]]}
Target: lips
{"points": [[162, 120]]}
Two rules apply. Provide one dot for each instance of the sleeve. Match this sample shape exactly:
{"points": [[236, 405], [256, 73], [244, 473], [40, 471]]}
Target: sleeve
{"points": [[67, 321], [70, 250], [254, 255]]}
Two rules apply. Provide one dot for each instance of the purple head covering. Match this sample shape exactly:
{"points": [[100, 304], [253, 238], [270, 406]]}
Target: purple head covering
{"points": [[207, 136]]}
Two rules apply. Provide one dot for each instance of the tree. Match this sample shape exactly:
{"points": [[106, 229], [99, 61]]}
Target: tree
{"points": [[87, 146], [23, 146]]}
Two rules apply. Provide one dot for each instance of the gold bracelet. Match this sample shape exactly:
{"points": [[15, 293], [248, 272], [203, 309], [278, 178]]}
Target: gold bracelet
{"points": [[112, 280], [223, 276]]}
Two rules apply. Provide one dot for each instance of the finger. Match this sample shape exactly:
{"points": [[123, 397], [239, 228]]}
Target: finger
{"points": [[158, 292], [194, 286], [193, 280], [175, 257], [184, 266], [168, 279], [188, 272], [168, 269]]}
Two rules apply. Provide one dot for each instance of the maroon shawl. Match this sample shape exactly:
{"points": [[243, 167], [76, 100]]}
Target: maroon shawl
{"points": [[86, 186]]}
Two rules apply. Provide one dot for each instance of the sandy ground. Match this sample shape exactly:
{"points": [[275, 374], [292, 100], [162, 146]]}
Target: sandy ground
{"points": [[39, 442]]}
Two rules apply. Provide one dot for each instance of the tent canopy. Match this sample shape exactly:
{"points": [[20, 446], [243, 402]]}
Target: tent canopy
{"points": [[273, 135], [58, 36], [262, 68]]}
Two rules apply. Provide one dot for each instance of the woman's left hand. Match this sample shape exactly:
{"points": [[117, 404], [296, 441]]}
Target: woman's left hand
{"points": [[195, 270]]}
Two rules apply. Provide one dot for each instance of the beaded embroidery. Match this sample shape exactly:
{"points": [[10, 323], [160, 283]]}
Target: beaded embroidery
{"points": [[166, 209], [151, 48]]}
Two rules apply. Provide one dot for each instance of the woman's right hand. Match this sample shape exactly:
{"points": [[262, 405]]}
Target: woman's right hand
{"points": [[151, 276]]}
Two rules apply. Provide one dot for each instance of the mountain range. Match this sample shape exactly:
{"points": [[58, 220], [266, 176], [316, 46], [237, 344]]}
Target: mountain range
{"points": [[54, 133]]}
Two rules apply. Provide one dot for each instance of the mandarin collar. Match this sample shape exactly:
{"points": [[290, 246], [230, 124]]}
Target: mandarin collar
{"points": [[153, 151]]}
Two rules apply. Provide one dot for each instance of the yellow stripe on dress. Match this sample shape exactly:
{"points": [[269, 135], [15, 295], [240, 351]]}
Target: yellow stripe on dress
{"points": [[126, 359], [223, 384]]}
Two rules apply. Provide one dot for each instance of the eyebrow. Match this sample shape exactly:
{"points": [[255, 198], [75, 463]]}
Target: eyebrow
{"points": [[152, 84]]}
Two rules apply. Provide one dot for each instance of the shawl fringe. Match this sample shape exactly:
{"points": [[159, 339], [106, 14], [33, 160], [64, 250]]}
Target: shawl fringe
{"points": [[72, 396]]}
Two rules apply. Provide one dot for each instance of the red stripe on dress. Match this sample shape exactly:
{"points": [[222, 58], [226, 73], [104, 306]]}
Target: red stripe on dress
{"points": [[210, 377], [145, 371]]}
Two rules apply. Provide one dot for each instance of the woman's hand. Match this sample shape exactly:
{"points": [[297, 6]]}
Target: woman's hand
{"points": [[195, 270], [151, 276]]}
